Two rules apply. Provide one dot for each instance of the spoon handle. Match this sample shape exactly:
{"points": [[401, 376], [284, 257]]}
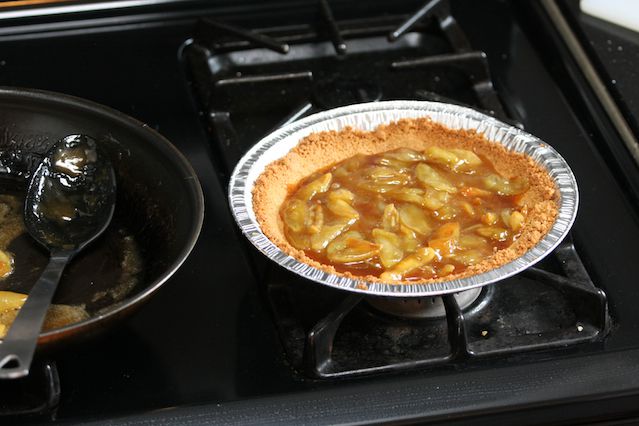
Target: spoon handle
{"points": [[18, 346]]}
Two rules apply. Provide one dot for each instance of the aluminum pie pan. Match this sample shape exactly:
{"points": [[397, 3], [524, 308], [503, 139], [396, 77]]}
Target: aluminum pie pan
{"points": [[367, 116]]}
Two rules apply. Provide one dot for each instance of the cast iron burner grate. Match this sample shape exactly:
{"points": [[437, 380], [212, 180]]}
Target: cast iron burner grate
{"points": [[328, 334], [250, 82], [35, 396]]}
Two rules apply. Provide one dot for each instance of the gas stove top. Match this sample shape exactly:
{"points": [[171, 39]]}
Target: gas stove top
{"points": [[233, 339], [248, 86]]}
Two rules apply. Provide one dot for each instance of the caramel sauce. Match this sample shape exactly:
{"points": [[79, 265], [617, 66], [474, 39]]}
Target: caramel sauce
{"points": [[116, 282], [405, 215]]}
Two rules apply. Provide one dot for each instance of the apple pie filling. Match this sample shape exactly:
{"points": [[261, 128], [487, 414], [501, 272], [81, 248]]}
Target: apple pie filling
{"points": [[404, 214]]}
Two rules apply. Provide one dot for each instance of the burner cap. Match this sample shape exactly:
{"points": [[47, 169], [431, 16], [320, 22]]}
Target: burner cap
{"points": [[421, 307]]}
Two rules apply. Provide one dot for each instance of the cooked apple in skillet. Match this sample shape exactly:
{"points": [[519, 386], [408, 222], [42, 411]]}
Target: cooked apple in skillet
{"points": [[405, 215], [11, 225], [57, 316]]}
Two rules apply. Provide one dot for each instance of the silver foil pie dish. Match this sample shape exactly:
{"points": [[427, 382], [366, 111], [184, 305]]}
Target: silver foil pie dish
{"points": [[367, 117]]}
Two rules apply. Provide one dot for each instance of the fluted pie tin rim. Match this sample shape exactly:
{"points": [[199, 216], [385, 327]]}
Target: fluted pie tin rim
{"points": [[368, 116]]}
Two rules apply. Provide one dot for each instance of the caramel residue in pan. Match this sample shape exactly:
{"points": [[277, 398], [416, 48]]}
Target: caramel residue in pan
{"points": [[321, 150]]}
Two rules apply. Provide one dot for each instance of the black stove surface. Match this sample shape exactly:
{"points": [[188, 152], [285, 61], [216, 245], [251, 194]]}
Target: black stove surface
{"points": [[615, 51], [206, 347]]}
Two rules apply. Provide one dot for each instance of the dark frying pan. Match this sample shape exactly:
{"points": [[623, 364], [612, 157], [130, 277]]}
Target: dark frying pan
{"points": [[159, 208]]}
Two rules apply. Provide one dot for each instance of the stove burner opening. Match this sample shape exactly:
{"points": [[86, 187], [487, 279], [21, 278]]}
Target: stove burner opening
{"points": [[423, 307]]}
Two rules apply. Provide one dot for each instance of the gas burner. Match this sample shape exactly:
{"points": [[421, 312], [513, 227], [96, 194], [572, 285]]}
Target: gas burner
{"points": [[329, 334], [422, 307], [251, 81]]}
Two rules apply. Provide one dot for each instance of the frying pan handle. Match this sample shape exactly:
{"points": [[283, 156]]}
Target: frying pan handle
{"points": [[18, 346]]}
